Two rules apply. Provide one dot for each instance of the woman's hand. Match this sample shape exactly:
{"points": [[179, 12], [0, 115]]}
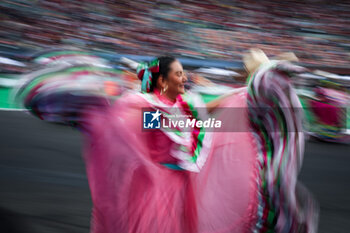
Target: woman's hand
{"points": [[199, 80]]}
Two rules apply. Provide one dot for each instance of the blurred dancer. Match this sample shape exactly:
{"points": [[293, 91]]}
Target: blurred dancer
{"points": [[329, 114], [176, 181]]}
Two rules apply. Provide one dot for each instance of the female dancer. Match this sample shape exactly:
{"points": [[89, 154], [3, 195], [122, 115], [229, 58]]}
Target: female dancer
{"points": [[188, 181]]}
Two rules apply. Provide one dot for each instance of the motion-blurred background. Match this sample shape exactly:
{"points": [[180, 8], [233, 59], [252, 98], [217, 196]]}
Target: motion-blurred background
{"points": [[317, 31], [42, 175]]}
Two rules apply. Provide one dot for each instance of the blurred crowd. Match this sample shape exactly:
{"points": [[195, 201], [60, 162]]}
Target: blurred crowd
{"points": [[317, 31]]}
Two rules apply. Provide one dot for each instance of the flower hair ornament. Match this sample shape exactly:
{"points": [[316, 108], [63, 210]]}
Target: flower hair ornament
{"points": [[144, 73]]}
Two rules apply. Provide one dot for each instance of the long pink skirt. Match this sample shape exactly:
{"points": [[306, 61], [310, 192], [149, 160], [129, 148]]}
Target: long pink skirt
{"points": [[133, 192]]}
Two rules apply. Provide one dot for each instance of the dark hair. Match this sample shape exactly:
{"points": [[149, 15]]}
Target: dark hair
{"points": [[164, 68]]}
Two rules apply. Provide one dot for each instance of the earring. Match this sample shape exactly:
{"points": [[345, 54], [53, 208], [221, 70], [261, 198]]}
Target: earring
{"points": [[162, 91]]}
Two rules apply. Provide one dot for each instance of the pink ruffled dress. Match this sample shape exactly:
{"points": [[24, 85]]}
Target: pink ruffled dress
{"points": [[143, 181], [133, 191]]}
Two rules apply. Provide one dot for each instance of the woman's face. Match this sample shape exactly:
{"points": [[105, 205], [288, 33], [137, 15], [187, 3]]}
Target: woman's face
{"points": [[175, 82]]}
